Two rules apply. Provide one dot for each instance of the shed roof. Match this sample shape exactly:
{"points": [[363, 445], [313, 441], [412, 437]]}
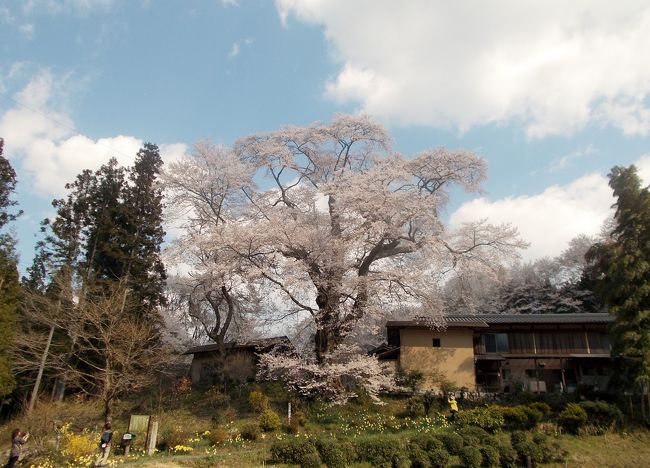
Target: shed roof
{"points": [[258, 345]]}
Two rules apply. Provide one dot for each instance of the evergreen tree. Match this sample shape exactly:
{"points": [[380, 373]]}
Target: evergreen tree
{"points": [[143, 232], [108, 230], [104, 257], [620, 271], [9, 285]]}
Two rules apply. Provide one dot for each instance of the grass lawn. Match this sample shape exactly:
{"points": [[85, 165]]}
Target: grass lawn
{"points": [[609, 450]]}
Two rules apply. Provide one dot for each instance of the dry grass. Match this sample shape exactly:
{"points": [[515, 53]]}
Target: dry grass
{"points": [[609, 450]]}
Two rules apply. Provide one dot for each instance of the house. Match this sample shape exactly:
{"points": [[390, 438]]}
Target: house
{"points": [[238, 362], [498, 352]]}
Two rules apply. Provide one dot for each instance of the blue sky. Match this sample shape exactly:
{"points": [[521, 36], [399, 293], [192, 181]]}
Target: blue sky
{"points": [[551, 95]]}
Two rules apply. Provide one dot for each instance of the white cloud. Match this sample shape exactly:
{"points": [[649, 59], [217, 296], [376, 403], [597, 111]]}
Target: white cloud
{"points": [[643, 165], [549, 220], [554, 66], [568, 159], [27, 30], [6, 17], [229, 3], [48, 149], [234, 50]]}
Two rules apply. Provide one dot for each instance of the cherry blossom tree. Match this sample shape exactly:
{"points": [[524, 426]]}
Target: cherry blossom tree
{"points": [[204, 193], [339, 225]]}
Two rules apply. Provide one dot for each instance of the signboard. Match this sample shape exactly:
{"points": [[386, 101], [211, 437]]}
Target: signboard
{"points": [[138, 424]]}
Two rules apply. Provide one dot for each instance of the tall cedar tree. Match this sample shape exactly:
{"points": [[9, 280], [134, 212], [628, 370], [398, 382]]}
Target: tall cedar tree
{"points": [[124, 232], [621, 273], [142, 227], [9, 286]]}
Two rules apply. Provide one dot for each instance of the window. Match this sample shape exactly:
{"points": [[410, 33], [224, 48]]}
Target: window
{"points": [[496, 342], [521, 342], [599, 342], [436, 342]]}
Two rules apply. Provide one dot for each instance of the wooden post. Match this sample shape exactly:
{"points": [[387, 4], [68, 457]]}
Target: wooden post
{"points": [[152, 435], [289, 412]]}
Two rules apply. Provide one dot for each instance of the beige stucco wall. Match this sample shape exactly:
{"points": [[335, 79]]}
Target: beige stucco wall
{"points": [[454, 359]]}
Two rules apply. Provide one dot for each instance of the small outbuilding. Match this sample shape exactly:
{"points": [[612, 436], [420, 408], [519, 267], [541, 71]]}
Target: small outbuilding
{"points": [[237, 362]]}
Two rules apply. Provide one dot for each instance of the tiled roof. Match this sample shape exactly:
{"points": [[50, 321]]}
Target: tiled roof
{"points": [[508, 319], [485, 320], [258, 344]]}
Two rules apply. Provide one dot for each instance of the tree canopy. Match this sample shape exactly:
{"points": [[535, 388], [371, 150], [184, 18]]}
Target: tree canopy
{"points": [[620, 270], [9, 285], [336, 223]]}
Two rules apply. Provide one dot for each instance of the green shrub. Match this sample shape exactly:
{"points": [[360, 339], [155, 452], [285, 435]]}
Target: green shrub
{"points": [[514, 417], [471, 457], [520, 417], [528, 448], [250, 431], [419, 458], [380, 451], [331, 454], [540, 406], [507, 455], [439, 458], [540, 439], [473, 435], [427, 442], [269, 420], [453, 442], [258, 401], [487, 418], [293, 451], [491, 458], [572, 418], [517, 437], [311, 460], [602, 414], [534, 416]]}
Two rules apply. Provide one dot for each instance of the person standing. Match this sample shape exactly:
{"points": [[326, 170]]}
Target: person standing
{"points": [[453, 407], [17, 440], [104, 445]]}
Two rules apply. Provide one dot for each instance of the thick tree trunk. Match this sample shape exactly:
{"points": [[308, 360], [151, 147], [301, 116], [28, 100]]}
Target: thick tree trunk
{"points": [[328, 335]]}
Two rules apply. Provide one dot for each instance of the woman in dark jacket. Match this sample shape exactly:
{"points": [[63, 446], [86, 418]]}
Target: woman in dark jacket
{"points": [[105, 445], [17, 440]]}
